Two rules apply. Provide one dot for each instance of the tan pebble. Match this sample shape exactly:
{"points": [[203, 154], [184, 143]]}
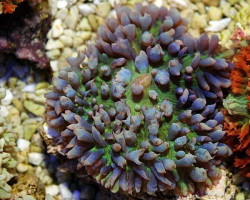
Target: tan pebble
{"points": [[214, 13], [211, 2], [201, 7], [84, 25], [144, 80], [18, 104], [21, 167], [103, 9], [93, 22], [199, 21], [53, 54], [34, 108], [12, 82], [66, 40]]}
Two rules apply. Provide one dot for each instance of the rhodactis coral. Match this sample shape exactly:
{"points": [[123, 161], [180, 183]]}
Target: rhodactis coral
{"points": [[7, 6], [138, 110], [237, 112]]}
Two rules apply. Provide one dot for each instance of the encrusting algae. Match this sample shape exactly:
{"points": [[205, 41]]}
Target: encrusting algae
{"points": [[139, 110]]}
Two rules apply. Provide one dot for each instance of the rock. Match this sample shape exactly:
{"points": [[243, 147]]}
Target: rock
{"points": [[28, 197], [22, 168], [3, 111], [52, 190], [62, 4], [216, 26], [69, 32], [93, 22], [23, 144], [67, 40], [54, 65], [103, 9], [53, 54], [214, 13], [34, 108], [53, 8], [85, 35], [14, 117], [67, 52], [18, 104], [42, 85], [12, 82], [2, 93], [211, 2], [7, 99], [57, 28], [49, 197], [64, 191], [232, 2], [29, 88], [83, 25], [77, 41], [35, 158], [199, 21], [29, 130], [240, 196], [86, 9], [72, 18], [61, 14], [54, 44]]}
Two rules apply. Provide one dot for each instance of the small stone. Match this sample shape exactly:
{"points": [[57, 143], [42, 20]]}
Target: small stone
{"points": [[137, 108], [2, 93], [77, 41], [216, 26], [34, 108], [67, 52], [83, 25], [4, 112], [81, 48], [67, 40], [23, 144], [61, 14], [54, 44], [54, 65], [35, 158], [201, 7], [103, 9], [240, 196], [28, 197], [52, 190], [62, 4], [64, 191], [49, 197], [232, 2], [12, 82], [57, 28], [29, 130], [211, 2], [93, 22], [69, 32], [7, 99], [85, 35], [199, 21], [53, 54], [29, 88], [22, 168], [18, 104], [214, 13], [42, 85], [72, 18], [86, 9]]}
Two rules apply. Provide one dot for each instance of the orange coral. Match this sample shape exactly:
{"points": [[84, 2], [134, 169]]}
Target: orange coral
{"points": [[237, 126]]}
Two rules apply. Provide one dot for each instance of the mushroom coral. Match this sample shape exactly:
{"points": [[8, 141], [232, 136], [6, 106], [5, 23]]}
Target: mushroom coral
{"points": [[9, 6], [237, 113], [138, 111]]}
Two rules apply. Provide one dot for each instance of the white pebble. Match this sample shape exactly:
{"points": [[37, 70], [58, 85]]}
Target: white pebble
{"points": [[4, 112], [29, 88], [7, 99], [216, 26], [57, 28], [62, 4], [36, 158], [54, 44], [86, 9], [65, 192], [54, 65], [23, 144], [53, 190]]}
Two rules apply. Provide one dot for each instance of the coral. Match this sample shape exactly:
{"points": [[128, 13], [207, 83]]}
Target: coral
{"points": [[139, 111], [9, 6], [237, 112], [8, 151], [24, 32]]}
